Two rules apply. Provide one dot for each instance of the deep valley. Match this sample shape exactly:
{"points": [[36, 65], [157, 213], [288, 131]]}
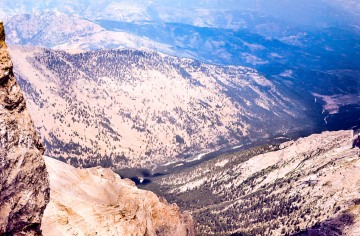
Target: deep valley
{"points": [[180, 118]]}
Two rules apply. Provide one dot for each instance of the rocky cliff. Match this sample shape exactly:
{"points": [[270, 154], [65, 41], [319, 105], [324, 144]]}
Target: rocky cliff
{"points": [[96, 201], [24, 185]]}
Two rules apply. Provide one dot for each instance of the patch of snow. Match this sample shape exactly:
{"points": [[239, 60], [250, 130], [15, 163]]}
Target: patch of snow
{"points": [[192, 185], [222, 163], [180, 164], [236, 147], [251, 59], [198, 157], [287, 74], [334, 102]]}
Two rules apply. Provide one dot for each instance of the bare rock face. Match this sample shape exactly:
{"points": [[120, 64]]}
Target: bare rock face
{"points": [[24, 185], [97, 201]]}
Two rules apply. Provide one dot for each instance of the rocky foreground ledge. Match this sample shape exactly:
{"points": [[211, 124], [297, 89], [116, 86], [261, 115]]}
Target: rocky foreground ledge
{"points": [[96, 201]]}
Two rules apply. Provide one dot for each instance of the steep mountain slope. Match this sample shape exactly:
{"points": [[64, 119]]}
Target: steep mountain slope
{"points": [[136, 108], [24, 184], [302, 59], [310, 186], [60, 31], [96, 201]]}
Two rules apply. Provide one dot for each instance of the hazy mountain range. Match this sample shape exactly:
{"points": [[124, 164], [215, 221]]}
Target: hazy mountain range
{"points": [[207, 13], [302, 60]]}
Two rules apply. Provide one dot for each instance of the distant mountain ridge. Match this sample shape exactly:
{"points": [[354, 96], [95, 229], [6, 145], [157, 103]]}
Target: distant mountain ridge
{"points": [[303, 59], [60, 31], [201, 13]]}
